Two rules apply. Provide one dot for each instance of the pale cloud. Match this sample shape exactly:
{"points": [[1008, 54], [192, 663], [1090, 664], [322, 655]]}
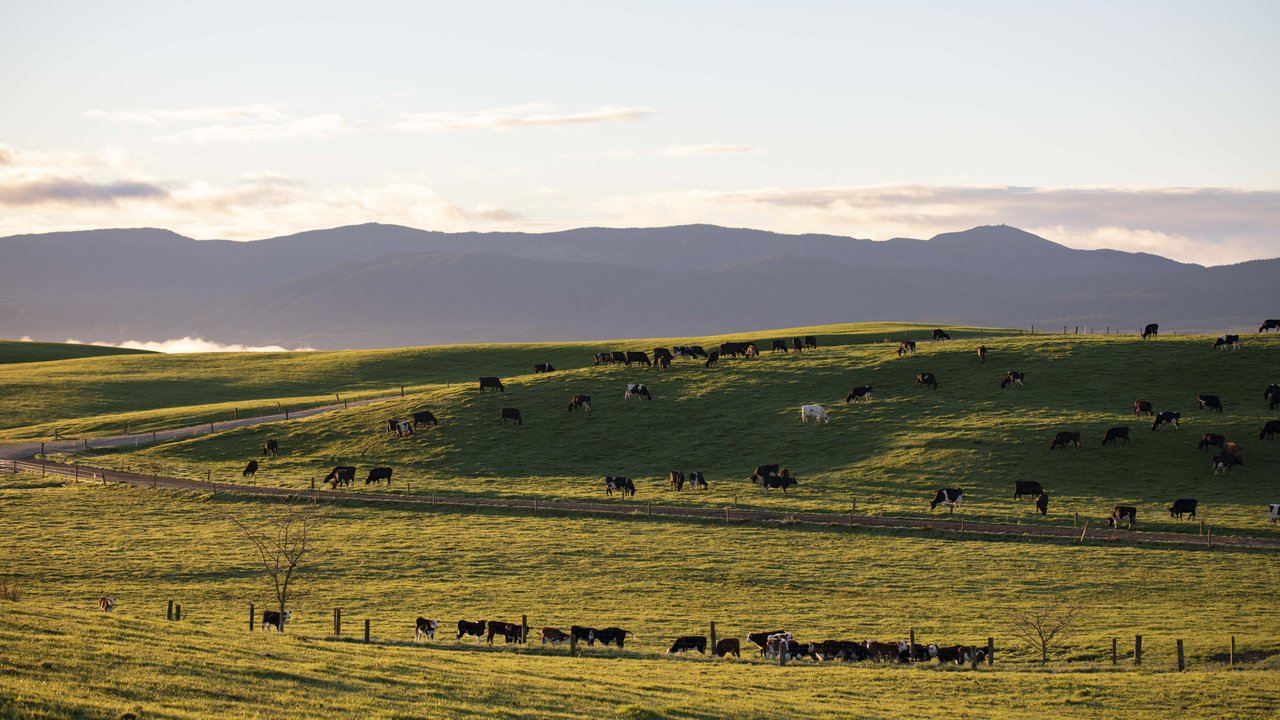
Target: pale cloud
{"points": [[219, 114], [709, 149], [316, 127], [192, 345], [518, 116], [32, 179], [76, 191]]}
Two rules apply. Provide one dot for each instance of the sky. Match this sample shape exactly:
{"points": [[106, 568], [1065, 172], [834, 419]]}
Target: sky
{"points": [[1143, 126]]}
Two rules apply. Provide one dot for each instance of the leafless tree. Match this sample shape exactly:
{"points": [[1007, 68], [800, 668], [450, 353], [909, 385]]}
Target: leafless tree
{"points": [[1041, 627], [281, 540]]}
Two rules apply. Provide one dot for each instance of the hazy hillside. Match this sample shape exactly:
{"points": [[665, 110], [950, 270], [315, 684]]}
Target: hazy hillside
{"points": [[379, 285], [14, 351]]}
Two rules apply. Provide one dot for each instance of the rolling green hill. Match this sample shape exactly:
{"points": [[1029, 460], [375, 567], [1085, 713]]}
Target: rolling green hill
{"points": [[24, 351]]}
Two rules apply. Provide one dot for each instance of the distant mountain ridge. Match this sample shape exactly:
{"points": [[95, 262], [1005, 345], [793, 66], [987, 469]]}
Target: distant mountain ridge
{"points": [[385, 285]]}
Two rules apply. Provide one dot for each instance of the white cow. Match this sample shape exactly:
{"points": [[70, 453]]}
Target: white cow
{"points": [[1275, 512], [817, 412]]}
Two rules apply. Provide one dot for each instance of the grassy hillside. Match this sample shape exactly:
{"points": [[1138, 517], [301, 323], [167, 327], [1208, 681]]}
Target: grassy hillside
{"points": [[658, 579], [15, 351]]}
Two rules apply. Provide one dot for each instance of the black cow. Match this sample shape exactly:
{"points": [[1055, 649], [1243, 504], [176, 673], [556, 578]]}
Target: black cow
{"points": [[512, 414], [1152, 330], [1120, 432], [1211, 402], [1166, 417], [1142, 407], [636, 390], [1212, 439], [543, 368], [1223, 461], [677, 479], [982, 354], [927, 378], [906, 346], [797, 344], [696, 351], [779, 345], [764, 471], [778, 482], [858, 393], [474, 629], [618, 356], [1269, 430], [425, 417], [425, 628], [271, 447], [583, 633], [340, 475], [509, 631], [846, 650], [274, 620], [492, 382], [612, 635], [555, 636], [1183, 506], [663, 362], [636, 356], [1272, 394], [949, 496], [377, 475], [251, 469], [685, 643], [940, 334], [1123, 514], [697, 481], [1227, 342], [711, 359], [660, 353], [1064, 439], [1268, 325], [1026, 487], [728, 646], [620, 484], [580, 401], [1013, 377], [810, 342], [959, 654], [1042, 504], [761, 639]]}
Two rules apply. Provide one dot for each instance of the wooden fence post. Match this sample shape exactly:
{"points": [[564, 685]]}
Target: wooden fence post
{"points": [[911, 649], [573, 645], [713, 638], [524, 628], [366, 629], [168, 614], [1113, 650], [1201, 528], [250, 617], [177, 612], [1231, 656], [973, 658], [1182, 662], [337, 622], [401, 391], [1137, 649], [991, 651]]}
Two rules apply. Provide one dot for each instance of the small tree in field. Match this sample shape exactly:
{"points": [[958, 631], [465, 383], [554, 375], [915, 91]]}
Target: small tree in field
{"points": [[281, 541], [1042, 627]]}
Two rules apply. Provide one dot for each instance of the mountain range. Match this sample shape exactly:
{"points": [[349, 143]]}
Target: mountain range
{"points": [[378, 285]]}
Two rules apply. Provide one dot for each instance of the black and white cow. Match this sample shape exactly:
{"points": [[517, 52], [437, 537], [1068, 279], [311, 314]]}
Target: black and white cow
{"points": [[474, 629], [543, 368], [1123, 514], [1227, 342], [620, 484], [1026, 487], [1142, 407], [1223, 462], [614, 635], [250, 470], [685, 643], [954, 497], [1269, 430], [1065, 438], [580, 401], [1013, 377], [817, 412], [1268, 325], [271, 447], [377, 475], [1120, 432], [1212, 402], [583, 633], [274, 620], [982, 354], [1275, 512], [636, 390], [763, 471], [1183, 506], [858, 393], [404, 428], [492, 383], [340, 475], [697, 481], [940, 334], [1166, 417], [761, 639], [1151, 330], [425, 417], [512, 414], [424, 628], [906, 347], [927, 378], [778, 482], [603, 358]]}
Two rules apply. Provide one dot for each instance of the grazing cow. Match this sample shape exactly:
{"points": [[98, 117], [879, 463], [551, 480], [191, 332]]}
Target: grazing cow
{"points": [[635, 390], [251, 469], [697, 481], [1151, 330], [1142, 407], [1120, 432], [1275, 512], [1183, 506], [613, 635], [510, 632], [763, 471], [927, 378], [940, 334], [425, 417], [778, 482], [797, 344], [779, 345], [543, 368], [1123, 514], [377, 475], [845, 650], [1013, 377], [1227, 342], [685, 643], [340, 475], [696, 351], [949, 496], [580, 401], [603, 358], [107, 603], [982, 354], [1065, 438], [1268, 325], [810, 342], [583, 633], [906, 346], [618, 356], [271, 447], [512, 414], [492, 382], [663, 362], [425, 628], [1211, 402], [734, 349], [885, 651], [474, 629], [677, 479], [727, 647], [555, 636], [783, 645], [1269, 430], [1212, 439], [958, 654], [637, 356], [761, 639], [1223, 461], [1272, 393], [817, 412], [392, 424], [1166, 417], [1234, 450], [1042, 504], [403, 428], [711, 359], [858, 393], [662, 352], [620, 484], [274, 620], [1026, 487]]}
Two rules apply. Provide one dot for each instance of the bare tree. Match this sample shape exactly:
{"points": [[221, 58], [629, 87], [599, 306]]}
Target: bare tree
{"points": [[1041, 627], [281, 541]]}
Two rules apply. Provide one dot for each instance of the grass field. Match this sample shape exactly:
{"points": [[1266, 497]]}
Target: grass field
{"points": [[24, 351], [658, 579]]}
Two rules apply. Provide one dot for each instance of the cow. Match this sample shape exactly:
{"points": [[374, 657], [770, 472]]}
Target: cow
{"points": [[761, 639], [271, 448], [1269, 325], [613, 635], [392, 424], [940, 334], [512, 414], [1183, 506], [425, 628], [251, 469], [555, 636], [618, 356], [509, 631], [696, 351], [543, 368], [949, 496], [580, 401], [377, 475], [886, 651], [858, 393], [1120, 432], [1026, 487], [107, 603], [1013, 377], [1065, 438], [677, 479], [403, 428], [1123, 514], [958, 654], [620, 484], [1223, 461], [817, 412], [1269, 430], [845, 650], [1212, 439], [493, 383], [927, 378], [763, 471], [982, 354], [810, 342], [797, 344], [711, 359], [1166, 417], [425, 417], [906, 346], [782, 645], [636, 390], [1142, 407], [340, 475], [474, 629], [1272, 394], [581, 632], [1042, 504], [660, 354], [734, 349], [1151, 330], [778, 482], [1275, 512], [1227, 342], [663, 362], [685, 643], [1212, 402], [727, 647], [697, 481], [603, 358], [637, 356], [1234, 450], [779, 345], [274, 620]]}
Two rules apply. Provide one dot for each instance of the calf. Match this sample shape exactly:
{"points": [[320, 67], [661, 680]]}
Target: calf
{"points": [[554, 636], [492, 383], [858, 393], [377, 475], [543, 368], [1209, 401], [1142, 407], [1183, 506], [1166, 417], [1120, 432], [1151, 330], [779, 345], [274, 620], [810, 342], [271, 447], [1123, 514], [341, 475], [635, 390], [940, 334], [817, 412], [425, 417], [1013, 377], [685, 643], [613, 635], [636, 356], [906, 346], [711, 359], [763, 471], [474, 629], [512, 414], [1227, 342], [1269, 430], [251, 469], [1065, 438], [580, 401], [619, 484], [1213, 439], [949, 496], [1026, 487], [1042, 504], [778, 482], [982, 354], [425, 629], [677, 479], [728, 646], [697, 481], [1223, 462], [927, 378]]}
